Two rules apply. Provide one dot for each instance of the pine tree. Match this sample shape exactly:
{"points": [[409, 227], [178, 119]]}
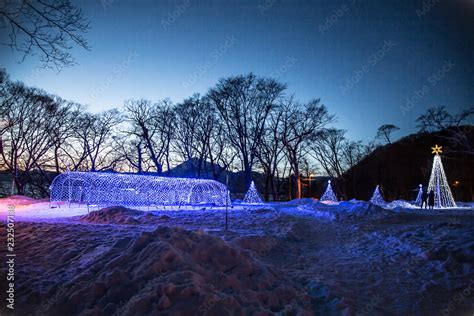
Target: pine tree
{"points": [[418, 197], [438, 182], [329, 195], [377, 197], [252, 196]]}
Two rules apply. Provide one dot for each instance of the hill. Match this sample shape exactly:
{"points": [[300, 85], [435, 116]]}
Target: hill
{"points": [[401, 166]]}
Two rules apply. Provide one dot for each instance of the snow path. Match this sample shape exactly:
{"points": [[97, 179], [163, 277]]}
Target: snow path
{"points": [[381, 269]]}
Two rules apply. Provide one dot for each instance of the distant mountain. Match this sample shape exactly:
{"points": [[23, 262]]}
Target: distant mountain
{"points": [[401, 166], [234, 180], [188, 169]]}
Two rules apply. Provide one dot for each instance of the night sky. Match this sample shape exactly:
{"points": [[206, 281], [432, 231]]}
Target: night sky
{"points": [[371, 62]]}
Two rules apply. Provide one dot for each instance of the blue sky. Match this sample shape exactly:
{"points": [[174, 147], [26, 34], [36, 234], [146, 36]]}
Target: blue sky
{"points": [[366, 60]]}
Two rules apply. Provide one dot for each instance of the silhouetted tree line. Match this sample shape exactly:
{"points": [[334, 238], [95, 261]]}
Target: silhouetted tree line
{"points": [[244, 123]]}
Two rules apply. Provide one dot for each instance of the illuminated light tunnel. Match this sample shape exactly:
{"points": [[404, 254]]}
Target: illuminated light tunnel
{"points": [[125, 189]]}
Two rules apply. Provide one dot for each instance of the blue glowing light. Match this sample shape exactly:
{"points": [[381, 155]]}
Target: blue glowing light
{"points": [[419, 196], [100, 188], [329, 196], [252, 196], [377, 197]]}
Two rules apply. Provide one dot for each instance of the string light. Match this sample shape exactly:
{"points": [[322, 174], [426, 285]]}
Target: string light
{"points": [[419, 196], [252, 196], [377, 197], [438, 182], [329, 195], [101, 188]]}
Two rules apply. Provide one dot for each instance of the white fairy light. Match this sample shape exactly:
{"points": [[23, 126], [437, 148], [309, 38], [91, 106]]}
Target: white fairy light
{"points": [[377, 197], [329, 195], [438, 182], [418, 197], [252, 196], [103, 188]]}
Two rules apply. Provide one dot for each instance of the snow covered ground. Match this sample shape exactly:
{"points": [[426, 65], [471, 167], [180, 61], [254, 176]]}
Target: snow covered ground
{"points": [[301, 257]]}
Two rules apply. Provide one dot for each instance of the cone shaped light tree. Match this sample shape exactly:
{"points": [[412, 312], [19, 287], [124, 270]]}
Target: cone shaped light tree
{"points": [[438, 182], [329, 195], [377, 197], [418, 197], [252, 196]]}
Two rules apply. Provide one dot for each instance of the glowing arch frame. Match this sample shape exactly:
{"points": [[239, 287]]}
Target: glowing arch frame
{"points": [[126, 189]]}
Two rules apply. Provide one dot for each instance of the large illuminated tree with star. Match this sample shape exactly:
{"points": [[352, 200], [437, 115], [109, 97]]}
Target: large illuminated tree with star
{"points": [[438, 182]]}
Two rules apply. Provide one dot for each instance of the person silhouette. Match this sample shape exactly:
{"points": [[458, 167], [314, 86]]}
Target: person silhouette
{"points": [[431, 199], [424, 199]]}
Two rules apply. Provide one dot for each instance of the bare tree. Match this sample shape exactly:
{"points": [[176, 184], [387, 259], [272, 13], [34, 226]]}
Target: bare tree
{"points": [[221, 155], [152, 125], [61, 137], [271, 152], [328, 150], [299, 125], [7, 99], [194, 124], [353, 152], [456, 127], [96, 132], [25, 136], [132, 151], [335, 153], [438, 118], [244, 103], [385, 131], [187, 118], [164, 122], [47, 27]]}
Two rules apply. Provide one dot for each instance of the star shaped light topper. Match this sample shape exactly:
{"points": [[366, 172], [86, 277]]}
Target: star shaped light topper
{"points": [[436, 149]]}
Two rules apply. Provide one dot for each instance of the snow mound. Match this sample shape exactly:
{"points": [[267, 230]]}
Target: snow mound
{"points": [[317, 209], [121, 215], [465, 204], [176, 272], [400, 205], [259, 245], [301, 201], [354, 201], [20, 200], [351, 210], [307, 207]]}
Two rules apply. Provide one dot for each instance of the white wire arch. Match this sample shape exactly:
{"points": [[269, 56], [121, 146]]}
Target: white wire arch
{"points": [[107, 188]]}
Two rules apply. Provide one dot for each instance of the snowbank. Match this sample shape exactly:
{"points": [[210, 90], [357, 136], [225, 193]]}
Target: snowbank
{"points": [[122, 215], [21, 200], [168, 270]]}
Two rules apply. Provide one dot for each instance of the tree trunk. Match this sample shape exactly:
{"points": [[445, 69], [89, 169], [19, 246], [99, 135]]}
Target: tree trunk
{"points": [[298, 185], [248, 172], [296, 170], [56, 159], [20, 188], [140, 159], [274, 191], [267, 188], [290, 185]]}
